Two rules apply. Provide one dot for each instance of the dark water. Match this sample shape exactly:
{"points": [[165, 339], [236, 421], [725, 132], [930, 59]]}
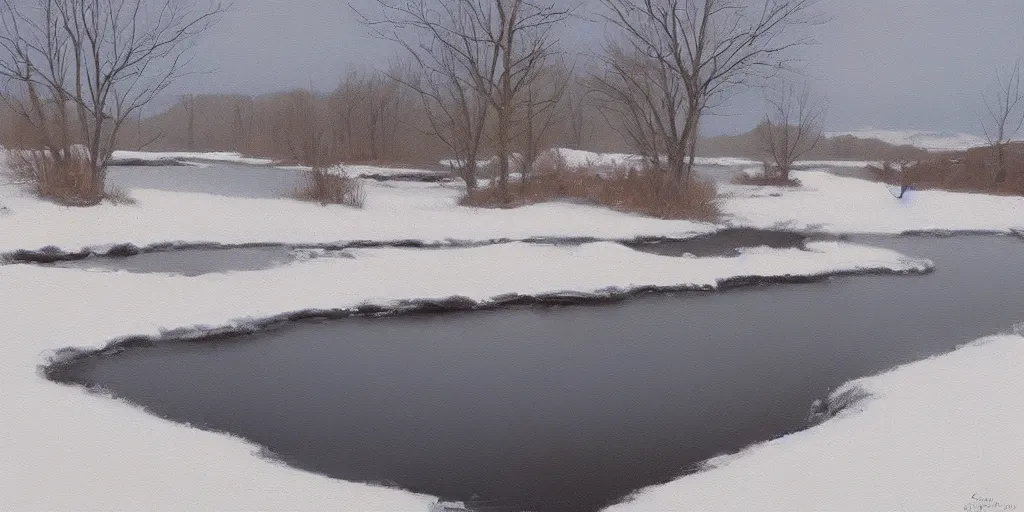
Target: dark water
{"points": [[567, 409], [223, 179], [190, 262], [724, 243], [269, 182], [199, 261]]}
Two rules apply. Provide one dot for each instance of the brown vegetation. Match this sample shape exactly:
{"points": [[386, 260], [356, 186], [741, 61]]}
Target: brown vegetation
{"points": [[327, 187], [844, 147], [73, 73], [119, 196], [64, 178], [767, 178], [971, 171], [651, 193]]}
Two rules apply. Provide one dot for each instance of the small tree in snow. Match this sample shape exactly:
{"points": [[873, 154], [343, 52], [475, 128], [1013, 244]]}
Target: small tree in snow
{"points": [[792, 127], [1003, 116], [77, 70]]}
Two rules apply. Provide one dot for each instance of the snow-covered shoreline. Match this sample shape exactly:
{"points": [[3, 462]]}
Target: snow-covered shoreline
{"points": [[64, 431], [944, 433], [73, 447], [429, 214], [401, 281]]}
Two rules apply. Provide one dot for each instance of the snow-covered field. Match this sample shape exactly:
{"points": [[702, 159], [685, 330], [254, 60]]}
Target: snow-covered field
{"points": [[834, 204], [929, 141], [958, 414], [589, 159], [429, 213], [393, 212]]}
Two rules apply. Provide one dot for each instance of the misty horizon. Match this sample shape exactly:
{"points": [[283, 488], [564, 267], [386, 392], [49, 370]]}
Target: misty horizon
{"points": [[882, 64]]}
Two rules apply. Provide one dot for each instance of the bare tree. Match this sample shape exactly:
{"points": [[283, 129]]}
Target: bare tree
{"points": [[522, 34], [78, 69], [302, 128], [542, 109], [367, 111], [792, 127], [674, 60], [642, 102], [1003, 117], [578, 100], [475, 58], [450, 69]]}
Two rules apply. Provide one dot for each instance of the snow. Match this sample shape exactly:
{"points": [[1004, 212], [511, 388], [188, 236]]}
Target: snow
{"points": [[834, 204], [927, 140], [936, 434], [74, 448], [940, 434], [725, 161], [578, 158], [588, 159], [393, 211], [429, 213], [215, 156], [855, 164]]}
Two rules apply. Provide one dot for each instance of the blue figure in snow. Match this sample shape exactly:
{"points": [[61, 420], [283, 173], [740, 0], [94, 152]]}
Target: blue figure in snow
{"points": [[901, 179]]}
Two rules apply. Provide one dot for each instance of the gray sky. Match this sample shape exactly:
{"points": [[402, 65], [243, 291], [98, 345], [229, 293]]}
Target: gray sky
{"points": [[914, 64]]}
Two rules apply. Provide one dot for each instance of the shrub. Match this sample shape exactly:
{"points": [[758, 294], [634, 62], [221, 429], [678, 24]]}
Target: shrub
{"points": [[647, 193], [768, 177], [946, 174], [69, 180], [326, 187], [119, 196]]}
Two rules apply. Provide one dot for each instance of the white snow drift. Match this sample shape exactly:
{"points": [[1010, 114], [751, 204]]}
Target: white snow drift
{"points": [[835, 204], [209, 156]]}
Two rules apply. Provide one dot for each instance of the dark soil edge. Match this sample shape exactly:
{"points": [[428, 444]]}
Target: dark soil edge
{"points": [[53, 254]]}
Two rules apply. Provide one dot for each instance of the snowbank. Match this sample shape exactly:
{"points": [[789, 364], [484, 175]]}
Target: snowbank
{"points": [[834, 204], [399, 211], [75, 450], [213, 156], [929, 141], [393, 212], [589, 159], [939, 434]]}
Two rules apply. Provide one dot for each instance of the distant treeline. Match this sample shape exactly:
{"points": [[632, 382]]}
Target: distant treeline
{"points": [[372, 117]]}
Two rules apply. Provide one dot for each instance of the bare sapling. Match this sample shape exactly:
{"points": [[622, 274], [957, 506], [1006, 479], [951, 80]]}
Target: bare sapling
{"points": [[792, 127], [77, 71], [473, 62], [668, 63], [1003, 117]]}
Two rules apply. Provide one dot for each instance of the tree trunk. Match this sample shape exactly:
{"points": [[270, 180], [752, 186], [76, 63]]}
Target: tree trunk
{"points": [[468, 173], [1000, 165], [503, 159]]}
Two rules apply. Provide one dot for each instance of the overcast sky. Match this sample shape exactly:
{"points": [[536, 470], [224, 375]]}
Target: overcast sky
{"points": [[900, 64]]}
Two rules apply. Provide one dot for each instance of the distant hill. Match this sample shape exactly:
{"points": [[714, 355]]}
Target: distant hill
{"points": [[834, 146], [929, 141]]}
